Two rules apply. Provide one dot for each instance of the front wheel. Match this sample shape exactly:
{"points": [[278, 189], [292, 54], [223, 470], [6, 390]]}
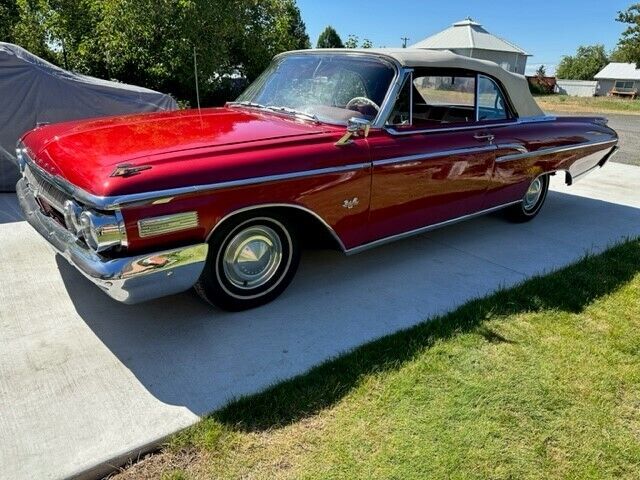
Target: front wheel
{"points": [[532, 201], [251, 261]]}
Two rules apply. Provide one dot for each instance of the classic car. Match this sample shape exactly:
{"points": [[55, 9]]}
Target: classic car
{"points": [[355, 147]]}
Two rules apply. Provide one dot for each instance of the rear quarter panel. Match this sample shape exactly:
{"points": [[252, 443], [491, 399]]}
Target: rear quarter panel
{"points": [[514, 172]]}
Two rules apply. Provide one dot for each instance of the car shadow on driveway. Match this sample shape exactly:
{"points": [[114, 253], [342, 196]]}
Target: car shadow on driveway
{"points": [[186, 353]]}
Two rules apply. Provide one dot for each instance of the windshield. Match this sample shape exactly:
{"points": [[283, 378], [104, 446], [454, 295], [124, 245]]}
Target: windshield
{"points": [[331, 88]]}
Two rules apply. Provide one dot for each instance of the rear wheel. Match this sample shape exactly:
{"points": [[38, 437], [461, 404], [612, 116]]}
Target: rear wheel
{"points": [[251, 261], [532, 201]]}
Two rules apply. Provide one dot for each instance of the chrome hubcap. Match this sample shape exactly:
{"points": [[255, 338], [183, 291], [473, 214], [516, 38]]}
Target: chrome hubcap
{"points": [[533, 195], [252, 257]]}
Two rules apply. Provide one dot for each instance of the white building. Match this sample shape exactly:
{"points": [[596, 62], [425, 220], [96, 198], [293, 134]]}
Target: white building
{"points": [[618, 79], [470, 39]]}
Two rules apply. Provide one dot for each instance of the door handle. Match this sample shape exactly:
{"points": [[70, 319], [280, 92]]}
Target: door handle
{"points": [[484, 137]]}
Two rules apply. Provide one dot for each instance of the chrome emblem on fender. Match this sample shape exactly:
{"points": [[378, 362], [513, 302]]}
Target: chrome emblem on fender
{"points": [[349, 204], [128, 170]]}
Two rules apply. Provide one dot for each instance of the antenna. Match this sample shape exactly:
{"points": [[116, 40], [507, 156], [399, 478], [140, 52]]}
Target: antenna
{"points": [[195, 69], [404, 41]]}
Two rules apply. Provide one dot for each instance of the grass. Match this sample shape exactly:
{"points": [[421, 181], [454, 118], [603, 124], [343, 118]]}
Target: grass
{"points": [[565, 103], [538, 381]]}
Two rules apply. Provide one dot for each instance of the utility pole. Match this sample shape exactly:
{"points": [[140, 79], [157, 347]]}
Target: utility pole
{"points": [[404, 41]]}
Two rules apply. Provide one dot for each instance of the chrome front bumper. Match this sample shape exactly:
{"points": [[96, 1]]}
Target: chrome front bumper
{"points": [[128, 280]]}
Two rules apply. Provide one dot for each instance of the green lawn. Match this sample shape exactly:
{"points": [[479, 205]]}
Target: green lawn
{"points": [[538, 381], [565, 103]]}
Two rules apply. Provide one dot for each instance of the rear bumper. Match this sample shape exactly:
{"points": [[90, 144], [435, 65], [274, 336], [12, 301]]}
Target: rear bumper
{"points": [[128, 280]]}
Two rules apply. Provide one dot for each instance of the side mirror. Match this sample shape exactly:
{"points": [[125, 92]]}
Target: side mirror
{"points": [[355, 127], [358, 126]]}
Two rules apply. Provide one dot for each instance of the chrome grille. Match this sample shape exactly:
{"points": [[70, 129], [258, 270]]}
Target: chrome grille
{"points": [[45, 190]]}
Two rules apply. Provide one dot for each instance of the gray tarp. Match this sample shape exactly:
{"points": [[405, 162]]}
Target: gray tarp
{"points": [[33, 90]]}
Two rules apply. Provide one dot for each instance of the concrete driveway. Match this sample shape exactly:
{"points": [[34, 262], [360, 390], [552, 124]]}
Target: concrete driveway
{"points": [[85, 382]]}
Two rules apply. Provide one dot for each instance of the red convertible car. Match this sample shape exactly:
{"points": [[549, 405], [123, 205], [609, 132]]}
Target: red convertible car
{"points": [[360, 147]]}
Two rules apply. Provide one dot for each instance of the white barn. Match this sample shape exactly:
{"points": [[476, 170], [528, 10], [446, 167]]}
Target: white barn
{"points": [[618, 79], [470, 39]]}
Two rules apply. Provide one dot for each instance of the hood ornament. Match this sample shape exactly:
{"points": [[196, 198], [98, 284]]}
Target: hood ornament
{"points": [[129, 170]]}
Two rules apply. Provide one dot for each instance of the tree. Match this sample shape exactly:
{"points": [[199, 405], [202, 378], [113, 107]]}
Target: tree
{"points": [[8, 19], [352, 42], [541, 72], [584, 65], [628, 49], [152, 42], [366, 43], [30, 30], [329, 38], [292, 29]]}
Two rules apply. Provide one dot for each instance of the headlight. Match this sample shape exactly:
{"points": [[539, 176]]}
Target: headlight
{"points": [[102, 232]]}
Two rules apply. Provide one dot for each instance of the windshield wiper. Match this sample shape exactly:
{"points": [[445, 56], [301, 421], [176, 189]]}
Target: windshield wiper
{"points": [[293, 111], [285, 110], [248, 104]]}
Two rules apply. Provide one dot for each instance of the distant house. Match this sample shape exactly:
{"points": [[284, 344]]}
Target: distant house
{"points": [[622, 79], [470, 39]]}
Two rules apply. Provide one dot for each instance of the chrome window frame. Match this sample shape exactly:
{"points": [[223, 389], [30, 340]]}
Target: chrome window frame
{"points": [[406, 75]]}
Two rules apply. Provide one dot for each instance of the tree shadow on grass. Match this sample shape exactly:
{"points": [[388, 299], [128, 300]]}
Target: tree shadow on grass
{"points": [[570, 290]]}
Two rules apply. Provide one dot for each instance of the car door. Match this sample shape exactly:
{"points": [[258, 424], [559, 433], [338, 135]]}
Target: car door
{"points": [[509, 179], [434, 161]]}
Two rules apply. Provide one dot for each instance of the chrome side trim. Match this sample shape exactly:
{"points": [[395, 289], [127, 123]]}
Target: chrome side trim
{"points": [[155, 226], [537, 119], [513, 146], [472, 126], [427, 156], [114, 202], [554, 150], [279, 205], [428, 228]]}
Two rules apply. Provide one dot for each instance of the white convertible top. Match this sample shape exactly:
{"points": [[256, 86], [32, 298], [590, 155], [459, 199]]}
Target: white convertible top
{"points": [[516, 85]]}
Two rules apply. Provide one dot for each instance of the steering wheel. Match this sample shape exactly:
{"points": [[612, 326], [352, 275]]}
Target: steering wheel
{"points": [[361, 101]]}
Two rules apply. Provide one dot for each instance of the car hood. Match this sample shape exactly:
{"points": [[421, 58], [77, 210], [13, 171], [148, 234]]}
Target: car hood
{"points": [[86, 153]]}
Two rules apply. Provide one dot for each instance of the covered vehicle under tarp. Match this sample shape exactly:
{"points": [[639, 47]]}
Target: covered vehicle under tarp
{"points": [[34, 91]]}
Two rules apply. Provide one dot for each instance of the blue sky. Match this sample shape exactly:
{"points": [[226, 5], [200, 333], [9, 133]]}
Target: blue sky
{"points": [[547, 33]]}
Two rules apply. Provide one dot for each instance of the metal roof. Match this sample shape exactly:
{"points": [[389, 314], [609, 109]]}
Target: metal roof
{"points": [[468, 34], [619, 71]]}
